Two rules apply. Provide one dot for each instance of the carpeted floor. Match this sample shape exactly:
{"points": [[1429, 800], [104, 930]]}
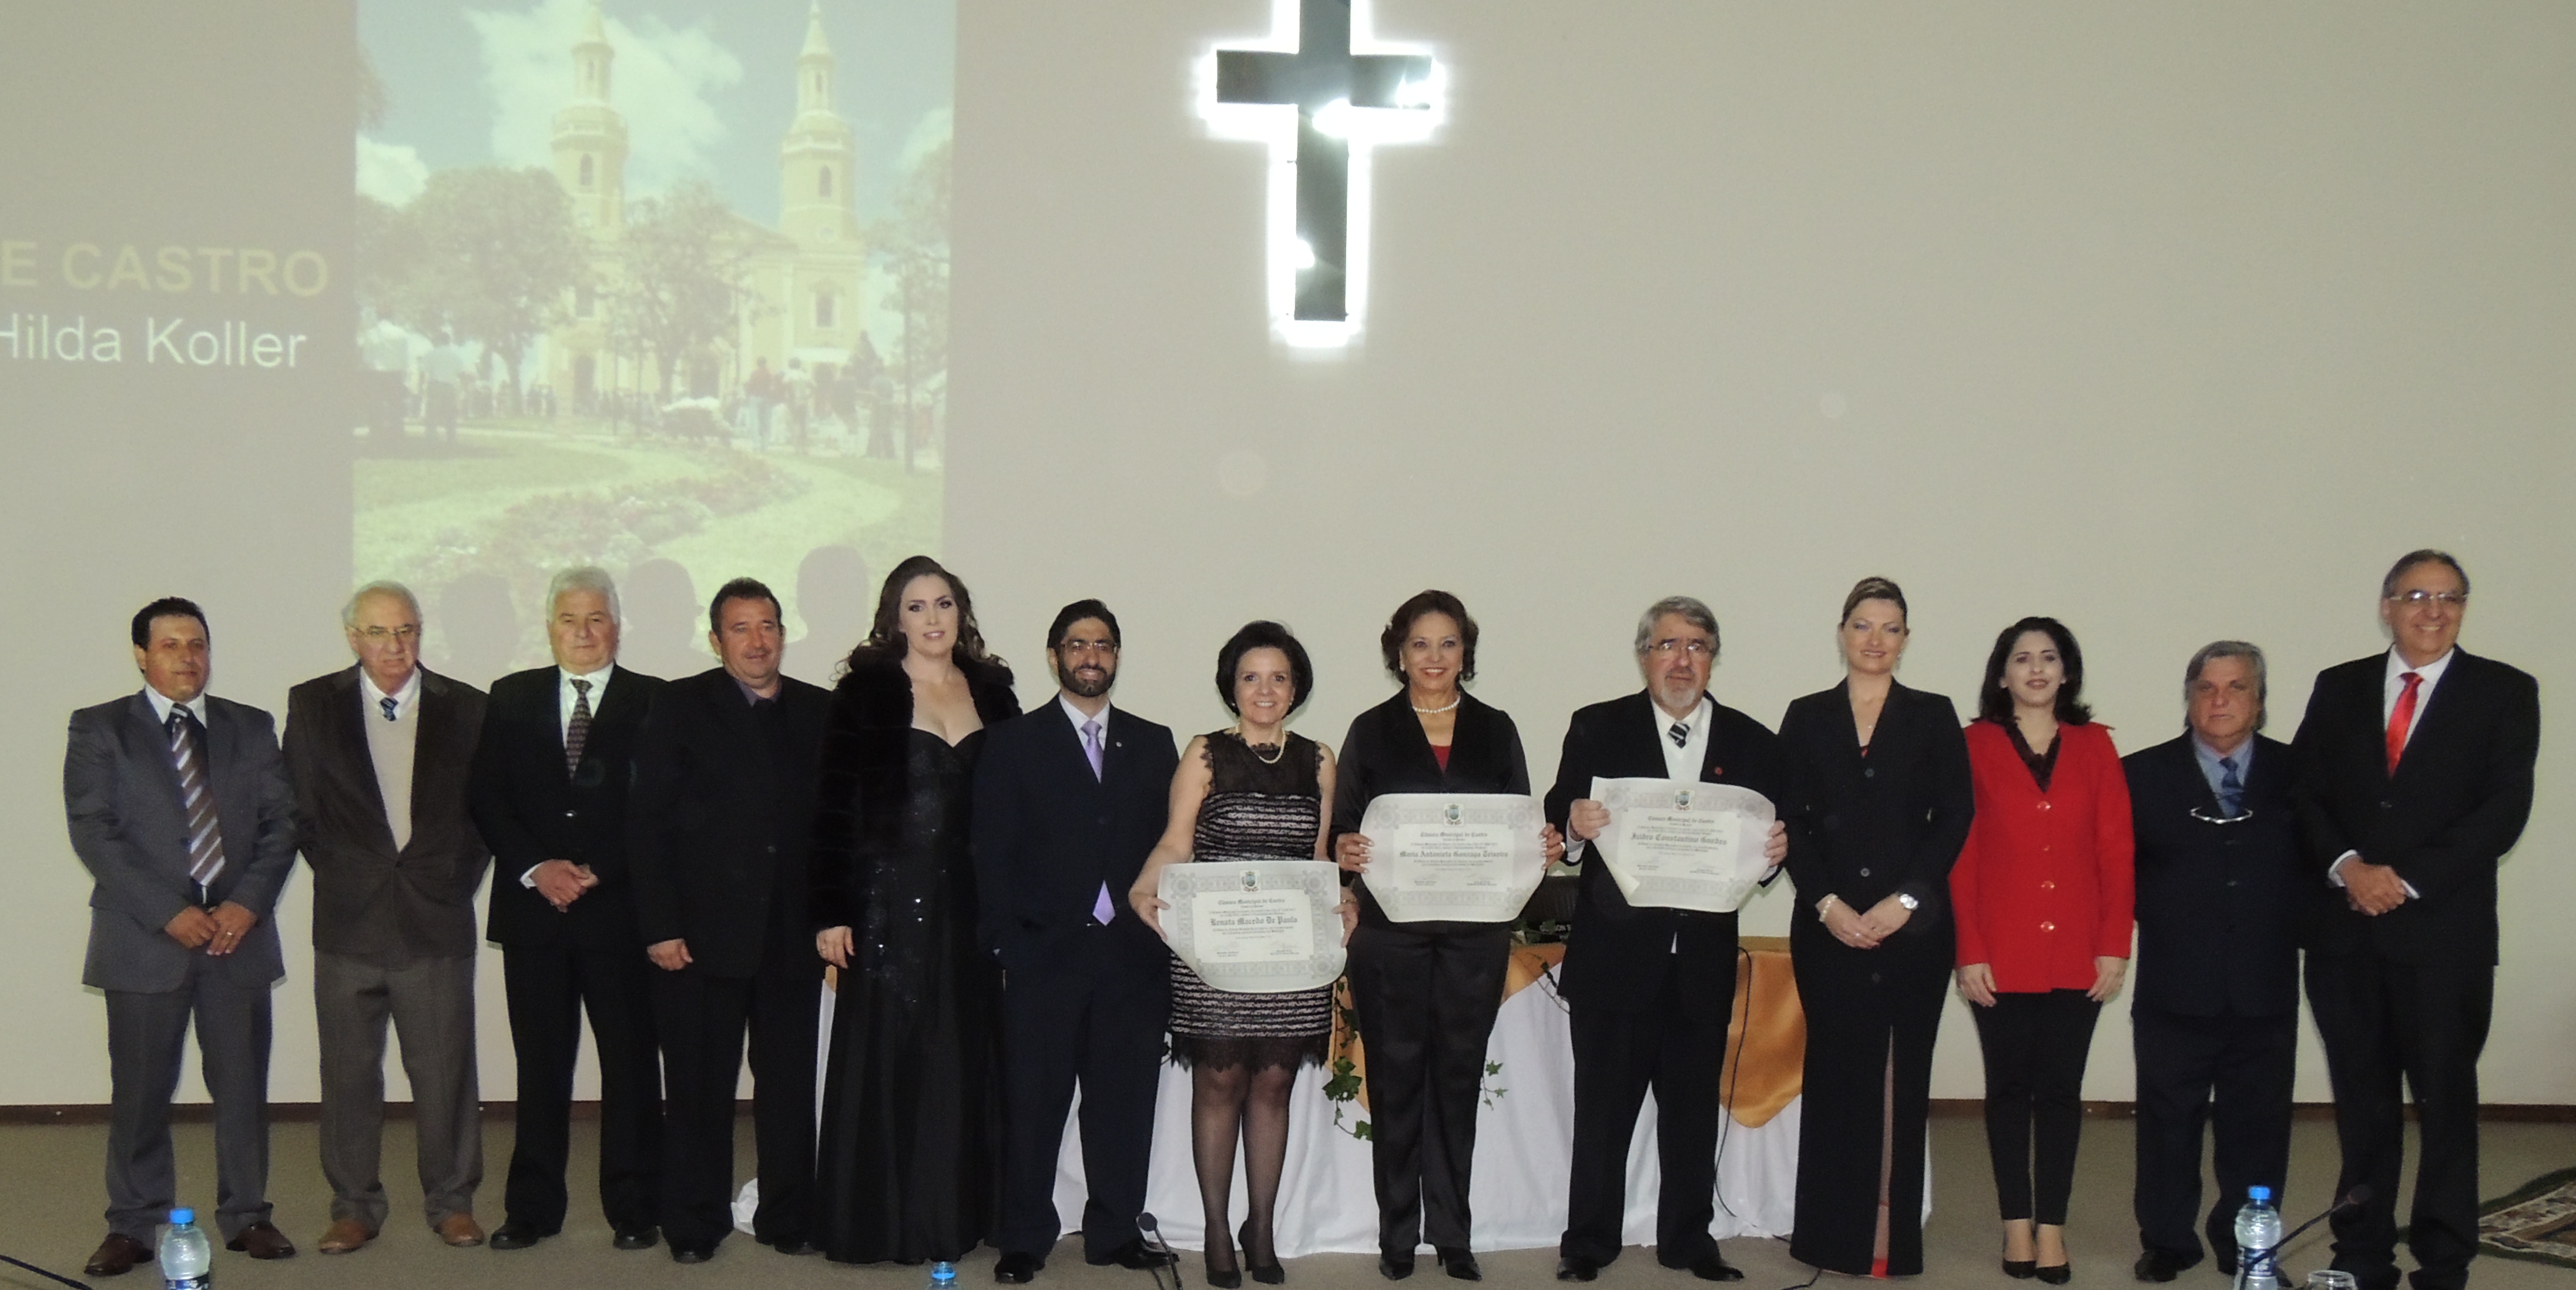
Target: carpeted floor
{"points": [[50, 1202]]}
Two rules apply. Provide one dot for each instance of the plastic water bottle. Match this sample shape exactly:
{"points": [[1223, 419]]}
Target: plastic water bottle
{"points": [[2258, 1240], [187, 1257], [943, 1275]]}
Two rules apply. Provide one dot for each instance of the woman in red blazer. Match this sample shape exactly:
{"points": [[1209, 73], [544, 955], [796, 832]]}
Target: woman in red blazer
{"points": [[2043, 892]]}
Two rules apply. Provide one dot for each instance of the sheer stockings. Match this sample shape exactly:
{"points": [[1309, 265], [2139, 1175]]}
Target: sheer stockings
{"points": [[1246, 1104]]}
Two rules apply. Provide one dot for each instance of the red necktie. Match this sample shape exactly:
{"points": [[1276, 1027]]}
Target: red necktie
{"points": [[2402, 718]]}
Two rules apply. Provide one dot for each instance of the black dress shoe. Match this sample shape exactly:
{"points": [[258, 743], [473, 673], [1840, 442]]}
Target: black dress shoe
{"points": [[1017, 1268], [692, 1251], [515, 1235], [2055, 1274], [2163, 1265], [261, 1241], [1460, 1263], [2021, 1269], [1269, 1274], [1572, 1268], [117, 1256], [1395, 1267], [1713, 1266], [793, 1245], [640, 1236], [1135, 1256]]}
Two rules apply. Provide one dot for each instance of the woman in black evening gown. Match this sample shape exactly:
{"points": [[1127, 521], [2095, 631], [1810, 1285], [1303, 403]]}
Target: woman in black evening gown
{"points": [[908, 1165]]}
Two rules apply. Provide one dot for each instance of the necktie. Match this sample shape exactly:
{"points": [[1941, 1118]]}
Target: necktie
{"points": [[1680, 734], [388, 705], [1103, 910], [2231, 790], [2402, 719], [577, 730], [205, 841]]}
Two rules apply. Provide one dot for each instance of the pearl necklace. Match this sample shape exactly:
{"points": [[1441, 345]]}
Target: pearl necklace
{"points": [[1433, 712]]}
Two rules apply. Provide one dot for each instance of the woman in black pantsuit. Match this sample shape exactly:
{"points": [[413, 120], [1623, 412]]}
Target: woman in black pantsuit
{"points": [[1879, 806], [1426, 992]]}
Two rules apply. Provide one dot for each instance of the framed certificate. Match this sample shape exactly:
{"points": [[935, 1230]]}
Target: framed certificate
{"points": [[1256, 926], [1469, 857], [1675, 844]]}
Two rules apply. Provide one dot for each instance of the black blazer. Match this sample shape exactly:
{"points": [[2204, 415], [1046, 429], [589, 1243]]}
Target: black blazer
{"points": [[531, 810], [1048, 835], [2457, 803], [1616, 953], [864, 790], [2220, 906], [720, 816], [1865, 828], [370, 900], [1387, 752]]}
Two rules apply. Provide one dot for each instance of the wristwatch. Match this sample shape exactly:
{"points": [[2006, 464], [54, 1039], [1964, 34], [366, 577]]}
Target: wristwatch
{"points": [[1907, 899]]}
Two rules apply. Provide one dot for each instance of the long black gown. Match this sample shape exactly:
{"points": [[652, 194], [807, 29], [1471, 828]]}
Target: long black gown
{"points": [[908, 1166]]}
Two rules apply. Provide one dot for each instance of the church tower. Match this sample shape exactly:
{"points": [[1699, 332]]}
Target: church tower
{"points": [[815, 159], [590, 137]]}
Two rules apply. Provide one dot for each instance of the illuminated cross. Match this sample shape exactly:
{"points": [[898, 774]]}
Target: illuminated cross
{"points": [[1323, 79]]}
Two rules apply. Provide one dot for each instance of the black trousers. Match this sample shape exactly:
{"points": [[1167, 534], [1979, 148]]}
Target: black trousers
{"points": [[1426, 1003], [2035, 1045], [548, 987], [1098, 1025], [701, 1020], [147, 1042], [2232, 1074], [2424, 1024], [1873, 1017], [1677, 1051]]}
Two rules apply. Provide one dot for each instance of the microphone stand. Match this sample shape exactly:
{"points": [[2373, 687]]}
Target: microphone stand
{"points": [[1153, 1239], [2357, 1196]]}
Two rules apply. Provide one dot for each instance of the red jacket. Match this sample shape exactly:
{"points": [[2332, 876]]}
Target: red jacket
{"points": [[2046, 883]]}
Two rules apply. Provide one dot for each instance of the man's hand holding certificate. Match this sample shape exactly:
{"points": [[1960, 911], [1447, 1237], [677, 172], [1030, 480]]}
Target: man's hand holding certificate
{"points": [[1681, 845], [1470, 858], [1255, 926]]}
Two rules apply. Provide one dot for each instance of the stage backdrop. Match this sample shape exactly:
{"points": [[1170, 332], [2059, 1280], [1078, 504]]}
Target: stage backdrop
{"points": [[2176, 323]]}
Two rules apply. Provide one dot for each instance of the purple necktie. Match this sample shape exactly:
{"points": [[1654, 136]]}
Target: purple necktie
{"points": [[1102, 910]]}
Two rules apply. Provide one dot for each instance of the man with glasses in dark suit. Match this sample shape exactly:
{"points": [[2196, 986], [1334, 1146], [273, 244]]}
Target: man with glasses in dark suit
{"points": [[2222, 893]]}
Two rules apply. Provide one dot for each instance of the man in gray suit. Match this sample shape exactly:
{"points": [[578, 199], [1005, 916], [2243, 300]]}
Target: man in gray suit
{"points": [[180, 808], [381, 754]]}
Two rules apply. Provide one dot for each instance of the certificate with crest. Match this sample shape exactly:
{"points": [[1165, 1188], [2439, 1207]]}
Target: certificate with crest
{"points": [[1255, 926], [1675, 844], [1463, 857]]}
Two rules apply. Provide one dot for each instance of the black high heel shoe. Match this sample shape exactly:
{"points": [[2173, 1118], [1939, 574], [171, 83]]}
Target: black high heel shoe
{"points": [[2021, 1269], [1229, 1279], [1269, 1274], [2056, 1274]]}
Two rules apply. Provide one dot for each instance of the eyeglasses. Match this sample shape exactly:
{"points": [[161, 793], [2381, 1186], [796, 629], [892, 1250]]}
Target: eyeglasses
{"points": [[1087, 647], [2446, 599], [1672, 645], [379, 635], [2206, 818]]}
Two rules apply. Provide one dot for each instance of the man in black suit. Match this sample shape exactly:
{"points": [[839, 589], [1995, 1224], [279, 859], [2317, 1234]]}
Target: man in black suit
{"points": [[2415, 778], [2222, 895], [722, 809], [550, 790], [180, 809], [1069, 800], [381, 754], [1651, 988]]}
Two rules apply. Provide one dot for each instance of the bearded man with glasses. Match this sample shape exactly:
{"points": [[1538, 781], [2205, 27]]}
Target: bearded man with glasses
{"points": [[2221, 893]]}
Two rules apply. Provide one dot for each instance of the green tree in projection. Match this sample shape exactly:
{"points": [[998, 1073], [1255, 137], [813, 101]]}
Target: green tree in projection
{"points": [[682, 284], [498, 256], [913, 245]]}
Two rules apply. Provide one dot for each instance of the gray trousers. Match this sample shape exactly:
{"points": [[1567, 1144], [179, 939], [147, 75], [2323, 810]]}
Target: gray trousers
{"points": [[147, 1038], [431, 1005]]}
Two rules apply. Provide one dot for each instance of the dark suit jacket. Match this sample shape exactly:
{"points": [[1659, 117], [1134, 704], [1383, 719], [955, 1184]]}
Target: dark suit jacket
{"points": [[1047, 835], [130, 829], [1616, 953], [531, 810], [863, 797], [370, 900], [2220, 906], [2457, 803], [720, 817], [1388, 753], [1864, 828]]}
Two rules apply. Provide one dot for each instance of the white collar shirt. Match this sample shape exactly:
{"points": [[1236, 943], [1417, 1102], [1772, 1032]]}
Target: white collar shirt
{"points": [[1683, 760], [162, 705], [564, 677], [2395, 685], [372, 699], [1077, 716]]}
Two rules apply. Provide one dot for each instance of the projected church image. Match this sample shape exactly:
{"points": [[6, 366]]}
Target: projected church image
{"points": [[615, 352]]}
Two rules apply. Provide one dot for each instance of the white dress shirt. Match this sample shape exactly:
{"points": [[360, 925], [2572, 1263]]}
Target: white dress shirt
{"points": [[1681, 761], [1079, 718], [405, 699], [161, 706], [2391, 688], [565, 696]]}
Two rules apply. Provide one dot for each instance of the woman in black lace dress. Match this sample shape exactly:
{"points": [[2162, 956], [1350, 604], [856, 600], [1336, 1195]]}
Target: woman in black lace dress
{"points": [[908, 1165], [1252, 790]]}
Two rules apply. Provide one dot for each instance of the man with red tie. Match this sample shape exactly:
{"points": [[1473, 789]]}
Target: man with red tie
{"points": [[2414, 780]]}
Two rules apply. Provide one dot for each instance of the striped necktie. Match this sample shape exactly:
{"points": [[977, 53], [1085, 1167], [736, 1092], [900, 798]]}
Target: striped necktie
{"points": [[577, 730], [205, 838]]}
